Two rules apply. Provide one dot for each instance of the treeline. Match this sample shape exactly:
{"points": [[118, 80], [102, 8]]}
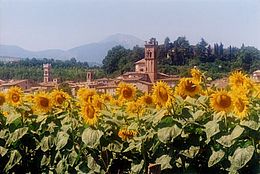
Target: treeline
{"points": [[174, 57], [179, 56], [120, 60], [33, 69]]}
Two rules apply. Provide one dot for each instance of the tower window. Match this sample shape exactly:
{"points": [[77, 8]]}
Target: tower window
{"points": [[147, 53]]}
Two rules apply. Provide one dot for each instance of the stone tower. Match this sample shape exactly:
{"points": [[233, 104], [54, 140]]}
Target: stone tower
{"points": [[47, 73], [151, 59], [90, 76]]}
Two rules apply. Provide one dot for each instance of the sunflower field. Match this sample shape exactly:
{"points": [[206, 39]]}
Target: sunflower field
{"points": [[191, 128]]}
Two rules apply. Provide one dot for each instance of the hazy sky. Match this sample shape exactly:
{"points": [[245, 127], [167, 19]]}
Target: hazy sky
{"points": [[63, 24]]}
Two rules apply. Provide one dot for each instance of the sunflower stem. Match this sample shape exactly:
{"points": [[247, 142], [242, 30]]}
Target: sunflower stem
{"points": [[225, 120]]}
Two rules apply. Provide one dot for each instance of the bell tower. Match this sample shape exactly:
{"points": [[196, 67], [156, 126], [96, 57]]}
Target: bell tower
{"points": [[151, 59], [46, 73], [90, 76]]}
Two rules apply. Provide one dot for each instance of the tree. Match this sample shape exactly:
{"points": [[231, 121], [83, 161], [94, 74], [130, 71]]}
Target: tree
{"points": [[201, 50], [166, 44], [210, 55], [180, 52], [248, 59], [65, 87], [115, 57]]}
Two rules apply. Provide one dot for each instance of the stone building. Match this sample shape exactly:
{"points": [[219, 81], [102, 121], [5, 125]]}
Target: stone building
{"points": [[47, 73], [256, 76], [23, 84], [144, 76]]}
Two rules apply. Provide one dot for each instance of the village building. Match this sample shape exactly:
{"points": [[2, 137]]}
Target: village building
{"points": [[144, 76], [48, 82], [256, 76], [23, 84]]}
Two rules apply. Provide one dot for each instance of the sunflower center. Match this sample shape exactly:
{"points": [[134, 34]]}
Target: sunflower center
{"points": [[239, 81], [98, 104], [107, 99], [90, 112], [163, 94], [224, 101], [15, 98], [240, 105], [44, 102], [191, 87], [148, 100], [2, 100], [60, 99], [127, 93]]}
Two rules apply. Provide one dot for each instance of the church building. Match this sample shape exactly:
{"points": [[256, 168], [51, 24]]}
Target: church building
{"points": [[144, 76]]}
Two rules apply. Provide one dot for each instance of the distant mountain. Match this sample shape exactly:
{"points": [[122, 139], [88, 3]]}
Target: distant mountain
{"points": [[92, 52], [128, 41], [13, 51]]}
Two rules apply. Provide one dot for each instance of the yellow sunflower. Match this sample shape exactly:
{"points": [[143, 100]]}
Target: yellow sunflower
{"points": [[162, 94], [146, 100], [239, 80], [117, 102], [256, 91], [59, 97], [187, 87], [126, 91], [126, 134], [221, 101], [14, 96], [42, 102], [134, 108], [89, 114], [106, 98], [208, 91], [97, 102], [2, 98], [85, 94], [196, 75], [29, 98], [241, 103], [6, 114]]}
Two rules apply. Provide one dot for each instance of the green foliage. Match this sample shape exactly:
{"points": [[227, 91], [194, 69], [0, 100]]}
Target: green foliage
{"points": [[65, 70], [178, 56], [188, 137], [120, 60]]}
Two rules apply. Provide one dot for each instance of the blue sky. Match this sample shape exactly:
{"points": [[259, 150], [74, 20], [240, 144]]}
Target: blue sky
{"points": [[63, 24]]}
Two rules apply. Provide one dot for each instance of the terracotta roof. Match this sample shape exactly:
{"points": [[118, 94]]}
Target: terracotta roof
{"points": [[49, 84], [257, 73], [133, 73], [145, 82], [169, 79], [105, 87], [102, 79], [132, 79], [142, 61], [13, 82], [221, 83], [163, 74]]}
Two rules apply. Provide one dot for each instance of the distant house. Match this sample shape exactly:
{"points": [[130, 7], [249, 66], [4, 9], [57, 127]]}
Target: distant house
{"points": [[256, 76], [220, 83], [2, 82], [144, 76], [48, 83], [23, 84]]}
